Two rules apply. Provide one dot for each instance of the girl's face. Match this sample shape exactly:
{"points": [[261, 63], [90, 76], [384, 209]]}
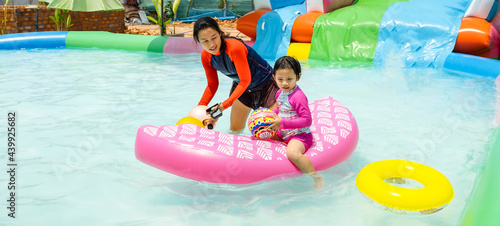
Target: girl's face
{"points": [[286, 79], [209, 38]]}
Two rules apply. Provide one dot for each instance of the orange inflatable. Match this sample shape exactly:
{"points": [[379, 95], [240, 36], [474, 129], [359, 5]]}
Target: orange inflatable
{"points": [[247, 24], [477, 37], [303, 27]]}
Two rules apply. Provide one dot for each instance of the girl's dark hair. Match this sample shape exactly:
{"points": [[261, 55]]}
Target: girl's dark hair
{"points": [[208, 22], [288, 62]]}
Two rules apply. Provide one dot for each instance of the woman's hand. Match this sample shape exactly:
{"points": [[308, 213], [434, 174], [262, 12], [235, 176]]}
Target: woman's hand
{"points": [[221, 107], [213, 109]]}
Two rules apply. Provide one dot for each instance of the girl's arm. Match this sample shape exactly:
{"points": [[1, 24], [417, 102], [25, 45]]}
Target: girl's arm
{"points": [[298, 100], [212, 79], [238, 53]]}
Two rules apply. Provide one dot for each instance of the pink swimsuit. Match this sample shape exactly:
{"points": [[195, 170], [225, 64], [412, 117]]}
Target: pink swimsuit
{"points": [[293, 108]]}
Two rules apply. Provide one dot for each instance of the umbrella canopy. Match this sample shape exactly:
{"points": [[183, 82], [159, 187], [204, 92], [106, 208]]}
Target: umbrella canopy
{"points": [[86, 5]]}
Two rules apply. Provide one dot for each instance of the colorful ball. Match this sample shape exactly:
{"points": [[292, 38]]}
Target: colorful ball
{"points": [[259, 123]]}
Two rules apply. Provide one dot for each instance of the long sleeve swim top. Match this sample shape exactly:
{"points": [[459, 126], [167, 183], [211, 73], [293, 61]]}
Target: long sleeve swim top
{"points": [[293, 108], [240, 63]]}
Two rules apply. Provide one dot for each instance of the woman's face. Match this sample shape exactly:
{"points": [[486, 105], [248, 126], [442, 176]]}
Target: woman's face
{"points": [[209, 38]]}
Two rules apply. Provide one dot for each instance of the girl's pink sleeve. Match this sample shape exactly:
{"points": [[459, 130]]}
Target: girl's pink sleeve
{"points": [[299, 101]]}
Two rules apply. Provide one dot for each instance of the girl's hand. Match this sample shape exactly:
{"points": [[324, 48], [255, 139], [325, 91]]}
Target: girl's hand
{"points": [[276, 123], [221, 107]]}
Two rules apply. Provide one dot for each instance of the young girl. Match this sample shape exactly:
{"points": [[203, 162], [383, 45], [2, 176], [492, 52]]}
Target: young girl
{"points": [[293, 116], [253, 85]]}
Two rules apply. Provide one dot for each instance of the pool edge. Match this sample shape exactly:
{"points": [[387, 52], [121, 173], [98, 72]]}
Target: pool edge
{"points": [[484, 207]]}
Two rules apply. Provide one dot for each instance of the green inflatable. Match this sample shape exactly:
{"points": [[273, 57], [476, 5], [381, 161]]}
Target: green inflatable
{"points": [[484, 208], [108, 40], [350, 33]]}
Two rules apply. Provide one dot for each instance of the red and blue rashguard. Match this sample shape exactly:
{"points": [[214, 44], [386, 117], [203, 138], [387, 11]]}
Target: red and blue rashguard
{"points": [[239, 62]]}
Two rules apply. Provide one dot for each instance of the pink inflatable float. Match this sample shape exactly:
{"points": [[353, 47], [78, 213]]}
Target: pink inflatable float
{"points": [[200, 154]]}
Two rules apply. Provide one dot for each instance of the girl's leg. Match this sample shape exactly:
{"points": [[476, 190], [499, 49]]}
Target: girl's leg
{"points": [[239, 116], [295, 152]]}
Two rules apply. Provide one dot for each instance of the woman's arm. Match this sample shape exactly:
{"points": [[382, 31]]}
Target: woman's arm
{"points": [[212, 79], [238, 53]]}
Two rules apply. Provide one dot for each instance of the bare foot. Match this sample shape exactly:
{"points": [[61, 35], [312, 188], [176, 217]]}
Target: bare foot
{"points": [[319, 181]]}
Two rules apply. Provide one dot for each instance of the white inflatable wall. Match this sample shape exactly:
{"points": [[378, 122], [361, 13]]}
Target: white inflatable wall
{"points": [[480, 8]]}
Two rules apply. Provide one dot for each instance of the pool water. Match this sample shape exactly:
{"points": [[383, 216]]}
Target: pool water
{"points": [[78, 112]]}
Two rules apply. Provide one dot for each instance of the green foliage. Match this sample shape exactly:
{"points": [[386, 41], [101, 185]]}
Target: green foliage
{"points": [[221, 4], [62, 19], [4, 25], [167, 10]]}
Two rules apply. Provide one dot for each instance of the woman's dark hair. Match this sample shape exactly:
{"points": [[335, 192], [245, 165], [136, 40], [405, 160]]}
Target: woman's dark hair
{"points": [[208, 22], [288, 62]]}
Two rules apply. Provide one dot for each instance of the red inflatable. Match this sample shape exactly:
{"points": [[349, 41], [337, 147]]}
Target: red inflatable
{"points": [[303, 27], [248, 24], [477, 37]]}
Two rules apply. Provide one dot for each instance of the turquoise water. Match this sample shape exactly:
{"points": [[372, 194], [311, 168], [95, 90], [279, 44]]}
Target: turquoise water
{"points": [[78, 112]]}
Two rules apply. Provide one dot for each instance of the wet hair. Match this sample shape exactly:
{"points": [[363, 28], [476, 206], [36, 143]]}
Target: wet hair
{"points": [[288, 62], [208, 22]]}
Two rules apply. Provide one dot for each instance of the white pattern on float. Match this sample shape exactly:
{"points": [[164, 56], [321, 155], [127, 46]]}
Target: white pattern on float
{"points": [[315, 137], [266, 154], [151, 130], [332, 139], [326, 130], [189, 146], [188, 129], [344, 124], [242, 154], [226, 138], [228, 150], [341, 110], [324, 115], [244, 138], [342, 116], [207, 136], [206, 143], [325, 121], [323, 108], [280, 150], [336, 103], [168, 131], [344, 133], [324, 102], [264, 144], [187, 139], [318, 146], [245, 145]]}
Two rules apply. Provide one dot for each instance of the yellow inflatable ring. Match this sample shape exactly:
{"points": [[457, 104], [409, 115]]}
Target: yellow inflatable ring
{"points": [[434, 196]]}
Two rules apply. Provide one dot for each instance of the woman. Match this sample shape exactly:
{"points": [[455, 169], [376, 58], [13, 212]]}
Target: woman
{"points": [[253, 86]]}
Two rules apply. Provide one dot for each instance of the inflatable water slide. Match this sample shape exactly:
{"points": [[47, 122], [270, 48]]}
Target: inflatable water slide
{"points": [[360, 30]]}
